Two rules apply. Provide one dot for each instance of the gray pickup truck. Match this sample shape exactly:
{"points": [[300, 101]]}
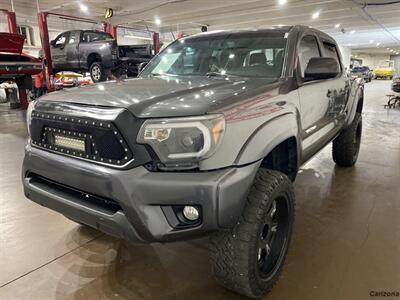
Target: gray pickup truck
{"points": [[96, 52], [207, 140]]}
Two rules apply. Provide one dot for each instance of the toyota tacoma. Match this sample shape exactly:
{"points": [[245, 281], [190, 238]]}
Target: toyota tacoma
{"points": [[207, 140]]}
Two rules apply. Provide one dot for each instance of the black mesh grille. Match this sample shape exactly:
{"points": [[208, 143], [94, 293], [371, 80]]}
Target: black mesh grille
{"points": [[103, 141], [109, 146]]}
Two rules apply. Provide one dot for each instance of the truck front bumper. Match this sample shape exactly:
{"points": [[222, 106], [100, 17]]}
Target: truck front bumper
{"points": [[135, 204]]}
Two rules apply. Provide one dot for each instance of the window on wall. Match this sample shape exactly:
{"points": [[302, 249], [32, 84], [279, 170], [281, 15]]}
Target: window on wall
{"points": [[27, 32], [308, 49]]}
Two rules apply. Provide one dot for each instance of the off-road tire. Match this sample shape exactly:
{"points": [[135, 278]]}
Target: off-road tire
{"points": [[346, 146], [97, 72], [235, 254]]}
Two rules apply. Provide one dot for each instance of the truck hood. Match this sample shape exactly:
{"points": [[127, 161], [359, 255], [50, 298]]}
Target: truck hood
{"points": [[11, 43], [164, 96]]}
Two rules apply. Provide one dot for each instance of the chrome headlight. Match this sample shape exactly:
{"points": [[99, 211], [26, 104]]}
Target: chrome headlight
{"points": [[183, 139], [31, 107]]}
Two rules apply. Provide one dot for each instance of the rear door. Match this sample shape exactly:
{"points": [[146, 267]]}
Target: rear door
{"points": [[339, 86], [321, 101]]}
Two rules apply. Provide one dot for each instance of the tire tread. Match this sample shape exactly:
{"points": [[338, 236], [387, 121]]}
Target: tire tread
{"points": [[230, 250]]}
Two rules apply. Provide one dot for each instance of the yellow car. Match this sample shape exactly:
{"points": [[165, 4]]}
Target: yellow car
{"points": [[385, 70]]}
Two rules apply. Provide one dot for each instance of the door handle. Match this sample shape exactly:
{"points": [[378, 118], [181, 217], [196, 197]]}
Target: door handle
{"points": [[329, 93]]}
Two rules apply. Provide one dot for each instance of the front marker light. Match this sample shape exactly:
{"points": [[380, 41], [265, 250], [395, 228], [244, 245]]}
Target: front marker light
{"points": [[183, 139]]}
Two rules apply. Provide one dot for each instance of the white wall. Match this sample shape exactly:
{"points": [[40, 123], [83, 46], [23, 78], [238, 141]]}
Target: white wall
{"points": [[346, 54], [372, 60]]}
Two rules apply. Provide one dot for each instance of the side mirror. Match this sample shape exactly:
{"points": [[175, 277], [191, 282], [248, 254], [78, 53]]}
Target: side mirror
{"points": [[142, 66], [321, 68], [53, 43]]}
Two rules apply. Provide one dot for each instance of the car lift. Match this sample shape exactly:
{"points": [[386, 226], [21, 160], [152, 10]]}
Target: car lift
{"points": [[12, 28], [44, 37]]}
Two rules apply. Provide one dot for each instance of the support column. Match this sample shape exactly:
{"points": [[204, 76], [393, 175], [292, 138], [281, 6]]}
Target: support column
{"points": [[12, 22], [156, 42], [44, 37]]}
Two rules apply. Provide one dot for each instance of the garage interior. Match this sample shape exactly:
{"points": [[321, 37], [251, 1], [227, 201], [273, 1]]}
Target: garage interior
{"points": [[346, 235]]}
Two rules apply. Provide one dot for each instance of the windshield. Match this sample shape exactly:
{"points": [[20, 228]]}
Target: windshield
{"points": [[250, 54]]}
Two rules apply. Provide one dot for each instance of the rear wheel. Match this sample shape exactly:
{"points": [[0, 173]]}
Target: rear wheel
{"points": [[249, 258], [346, 146], [97, 72]]}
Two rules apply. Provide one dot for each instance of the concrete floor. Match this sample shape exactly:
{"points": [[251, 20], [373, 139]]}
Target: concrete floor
{"points": [[346, 240]]}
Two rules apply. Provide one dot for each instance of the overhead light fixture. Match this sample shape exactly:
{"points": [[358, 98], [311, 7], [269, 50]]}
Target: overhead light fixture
{"points": [[337, 25], [352, 32], [371, 41], [397, 53], [387, 48], [315, 15], [391, 50], [157, 20], [83, 7], [282, 2], [378, 44]]}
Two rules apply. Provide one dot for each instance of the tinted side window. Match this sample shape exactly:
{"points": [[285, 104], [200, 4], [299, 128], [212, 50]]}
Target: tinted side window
{"points": [[61, 40], [308, 49], [330, 50], [73, 37], [92, 36]]}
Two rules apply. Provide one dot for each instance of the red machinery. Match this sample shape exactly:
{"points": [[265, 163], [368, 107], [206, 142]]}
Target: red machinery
{"points": [[44, 36], [23, 65]]}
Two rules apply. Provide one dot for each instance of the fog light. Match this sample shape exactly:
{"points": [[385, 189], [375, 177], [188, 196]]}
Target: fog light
{"points": [[191, 213]]}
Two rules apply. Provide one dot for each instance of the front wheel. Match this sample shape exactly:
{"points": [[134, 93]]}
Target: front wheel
{"points": [[346, 146], [249, 258], [97, 72]]}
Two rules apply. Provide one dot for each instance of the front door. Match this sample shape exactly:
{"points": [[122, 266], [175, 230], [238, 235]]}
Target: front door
{"points": [[321, 101], [58, 51]]}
